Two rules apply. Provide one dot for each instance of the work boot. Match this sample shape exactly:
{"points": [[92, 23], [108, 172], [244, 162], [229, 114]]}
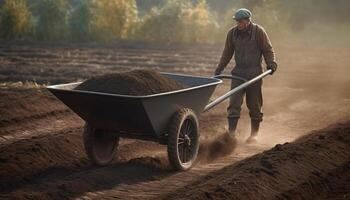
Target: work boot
{"points": [[232, 125], [253, 138]]}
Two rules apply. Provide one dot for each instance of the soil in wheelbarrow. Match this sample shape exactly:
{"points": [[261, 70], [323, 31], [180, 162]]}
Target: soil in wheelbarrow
{"points": [[136, 82]]}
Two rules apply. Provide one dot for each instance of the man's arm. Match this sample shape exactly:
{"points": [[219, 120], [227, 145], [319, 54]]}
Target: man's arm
{"points": [[226, 54], [267, 50]]}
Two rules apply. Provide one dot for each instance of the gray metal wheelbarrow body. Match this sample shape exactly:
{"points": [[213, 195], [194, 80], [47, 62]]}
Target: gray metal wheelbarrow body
{"points": [[169, 118], [143, 117]]}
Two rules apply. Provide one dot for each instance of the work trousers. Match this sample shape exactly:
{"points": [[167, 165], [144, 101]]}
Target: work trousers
{"points": [[254, 101]]}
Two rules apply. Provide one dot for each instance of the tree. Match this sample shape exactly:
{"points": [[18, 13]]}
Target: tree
{"points": [[15, 19], [199, 23], [104, 20], [178, 21], [80, 22], [52, 19]]}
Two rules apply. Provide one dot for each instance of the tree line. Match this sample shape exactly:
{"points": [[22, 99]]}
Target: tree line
{"points": [[162, 21]]}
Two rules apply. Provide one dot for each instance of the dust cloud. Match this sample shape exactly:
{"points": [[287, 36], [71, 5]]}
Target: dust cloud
{"points": [[219, 146]]}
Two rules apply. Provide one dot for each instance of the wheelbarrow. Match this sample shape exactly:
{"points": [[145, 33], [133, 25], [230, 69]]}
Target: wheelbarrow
{"points": [[170, 118]]}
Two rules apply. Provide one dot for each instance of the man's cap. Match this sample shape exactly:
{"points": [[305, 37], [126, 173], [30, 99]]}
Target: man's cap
{"points": [[242, 13]]}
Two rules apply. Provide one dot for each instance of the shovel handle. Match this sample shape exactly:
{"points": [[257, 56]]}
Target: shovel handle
{"points": [[236, 89], [230, 77]]}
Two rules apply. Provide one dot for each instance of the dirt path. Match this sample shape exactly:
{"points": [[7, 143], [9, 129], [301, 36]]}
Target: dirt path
{"points": [[161, 185], [41, 153], [141, 170]]}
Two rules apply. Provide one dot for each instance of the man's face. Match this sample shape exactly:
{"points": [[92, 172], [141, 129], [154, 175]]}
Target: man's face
{"points": [[242, 24]]}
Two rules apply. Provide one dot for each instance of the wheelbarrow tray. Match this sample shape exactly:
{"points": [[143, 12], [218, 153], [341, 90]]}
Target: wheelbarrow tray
{"points": [[143, 117]]}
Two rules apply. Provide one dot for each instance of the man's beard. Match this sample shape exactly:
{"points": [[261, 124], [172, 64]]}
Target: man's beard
{"points": [[245, 28]]}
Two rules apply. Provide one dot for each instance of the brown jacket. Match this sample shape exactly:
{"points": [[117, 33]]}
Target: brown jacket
{"points": [[262, 43]]}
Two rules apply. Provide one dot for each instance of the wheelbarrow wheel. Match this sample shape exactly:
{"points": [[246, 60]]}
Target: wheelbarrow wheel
{"points": [[100, 146], [183, 139]]}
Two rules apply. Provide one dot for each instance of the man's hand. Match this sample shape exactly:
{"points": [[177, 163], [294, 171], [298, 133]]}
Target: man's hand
{"points": [[273, 67]]}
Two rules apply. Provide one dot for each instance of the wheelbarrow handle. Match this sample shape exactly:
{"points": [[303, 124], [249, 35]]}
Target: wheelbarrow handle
{"points": [[230, 77], [236, 89]]}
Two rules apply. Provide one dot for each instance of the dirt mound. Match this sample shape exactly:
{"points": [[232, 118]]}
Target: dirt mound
{"points": [[314, 166], [30, 160], [94, 179], [26, 103], [136, 82], [25, 159]]}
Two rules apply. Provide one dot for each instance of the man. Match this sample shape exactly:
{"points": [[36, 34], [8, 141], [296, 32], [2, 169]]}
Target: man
{"points": [[248, 42]]}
